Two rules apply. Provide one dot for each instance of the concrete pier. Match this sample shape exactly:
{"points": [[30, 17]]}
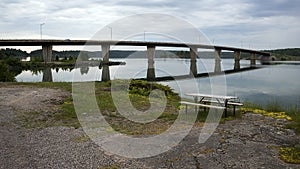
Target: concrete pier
{"points": [[237, 58], [151, 69], [105, 56], [217, 61], [193, 66], [47, 53], [252, 59]]}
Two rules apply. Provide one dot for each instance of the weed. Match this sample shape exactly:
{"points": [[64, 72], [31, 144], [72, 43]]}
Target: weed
{"points": [[81, 139], [290, 154]]}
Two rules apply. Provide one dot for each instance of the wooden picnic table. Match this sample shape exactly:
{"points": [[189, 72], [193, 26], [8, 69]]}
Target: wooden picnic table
{"points": [[220, 100]]}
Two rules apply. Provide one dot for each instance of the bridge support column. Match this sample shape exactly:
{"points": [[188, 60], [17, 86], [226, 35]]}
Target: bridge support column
{"points": [[217, 60], [237, 57], [47, 53], [193, 66], [151, 69], [252, 60], [105, 62]]}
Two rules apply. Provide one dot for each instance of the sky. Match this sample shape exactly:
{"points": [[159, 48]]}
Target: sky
{"points": [[254, 24]]}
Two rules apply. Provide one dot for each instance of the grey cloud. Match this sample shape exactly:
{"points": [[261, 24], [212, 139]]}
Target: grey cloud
{"points": [[274, 8], [229, 20]]}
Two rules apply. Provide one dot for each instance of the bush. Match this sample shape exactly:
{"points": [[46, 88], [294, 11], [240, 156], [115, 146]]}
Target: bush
{"points": [[37, 59], [14, 62], [5, 75], [144, 88], [290, 154]]}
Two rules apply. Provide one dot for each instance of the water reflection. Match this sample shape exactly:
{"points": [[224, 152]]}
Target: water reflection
{"points": [[47, 75], [84, 70], [105, 73]]}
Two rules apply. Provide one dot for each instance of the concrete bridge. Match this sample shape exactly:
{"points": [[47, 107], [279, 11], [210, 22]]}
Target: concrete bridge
{"points": [[47, 46]]}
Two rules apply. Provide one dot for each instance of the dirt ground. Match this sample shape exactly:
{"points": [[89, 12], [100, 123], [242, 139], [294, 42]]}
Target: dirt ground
{"points": [[241, 143]]}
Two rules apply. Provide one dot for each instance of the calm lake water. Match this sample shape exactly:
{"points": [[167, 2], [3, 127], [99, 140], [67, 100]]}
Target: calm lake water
{"points": [[276, 83]]}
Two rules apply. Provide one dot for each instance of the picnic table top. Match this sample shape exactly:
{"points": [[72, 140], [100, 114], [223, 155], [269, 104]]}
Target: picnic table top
{"points": [[211, 96]]}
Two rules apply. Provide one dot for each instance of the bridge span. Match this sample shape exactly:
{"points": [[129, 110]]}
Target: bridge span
{"points": [[48, 44]]}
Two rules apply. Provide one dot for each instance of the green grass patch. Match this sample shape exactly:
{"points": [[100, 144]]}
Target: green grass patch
{"points": [[139, 92], [67, 116], [81, 139], [64, 117], [112, 166]]}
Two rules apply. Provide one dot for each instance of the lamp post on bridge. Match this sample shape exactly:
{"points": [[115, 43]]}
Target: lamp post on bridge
{"points": [[41, 29], [110, 32]]}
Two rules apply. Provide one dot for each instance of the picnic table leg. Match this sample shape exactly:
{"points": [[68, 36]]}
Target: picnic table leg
{"points": [[234, 110], [186, 109], [196, 100], [225, 110]]}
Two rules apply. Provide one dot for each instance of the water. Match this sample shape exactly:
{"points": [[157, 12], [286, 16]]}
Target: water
{"points": [[276, 83], [134, 68]]}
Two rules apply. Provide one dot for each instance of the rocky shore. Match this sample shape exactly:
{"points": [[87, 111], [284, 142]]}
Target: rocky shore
{"points": [[248, 142]]}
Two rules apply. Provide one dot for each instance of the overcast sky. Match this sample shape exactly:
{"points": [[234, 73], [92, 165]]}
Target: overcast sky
{"points": [[258, 24]]}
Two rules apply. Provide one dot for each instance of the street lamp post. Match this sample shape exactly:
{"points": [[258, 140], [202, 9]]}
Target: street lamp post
{"points": [[41, 29], [110, 32]]}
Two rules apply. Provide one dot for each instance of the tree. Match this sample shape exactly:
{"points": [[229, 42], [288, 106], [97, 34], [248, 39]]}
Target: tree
{"points": [[5, 75]]}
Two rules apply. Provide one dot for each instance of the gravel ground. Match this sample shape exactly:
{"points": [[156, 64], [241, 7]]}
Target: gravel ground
{"points": [[241, 143]]}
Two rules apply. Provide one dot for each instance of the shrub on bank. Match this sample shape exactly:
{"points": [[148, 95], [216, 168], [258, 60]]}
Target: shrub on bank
{"points": [[5, 74], [290, 154], [276, 115]]}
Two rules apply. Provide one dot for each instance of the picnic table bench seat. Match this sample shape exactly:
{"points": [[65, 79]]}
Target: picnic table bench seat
{"points": [[202, 105]]}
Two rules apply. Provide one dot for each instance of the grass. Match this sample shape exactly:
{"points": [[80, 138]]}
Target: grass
{"points": [[112, 166], [290, 154], [82, 139], [138, 94], [67, 115], [138, 97]]}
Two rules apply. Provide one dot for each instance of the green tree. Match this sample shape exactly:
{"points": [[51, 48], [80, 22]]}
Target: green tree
{"points": [[5, 74]]}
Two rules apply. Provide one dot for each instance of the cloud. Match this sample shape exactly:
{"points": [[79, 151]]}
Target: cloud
{"points": [[274, 8], [228, 22]]}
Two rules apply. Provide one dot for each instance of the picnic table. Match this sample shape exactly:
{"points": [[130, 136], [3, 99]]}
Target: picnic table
{"points": [[220, 102]]}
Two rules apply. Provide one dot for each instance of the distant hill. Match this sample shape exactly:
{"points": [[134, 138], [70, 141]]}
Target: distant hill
{"points": [[15, 53], [286, 54], [281, 54], [289, 51]]}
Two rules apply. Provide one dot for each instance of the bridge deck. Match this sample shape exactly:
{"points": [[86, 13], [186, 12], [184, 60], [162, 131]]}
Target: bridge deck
{"points": [[67, 42]]}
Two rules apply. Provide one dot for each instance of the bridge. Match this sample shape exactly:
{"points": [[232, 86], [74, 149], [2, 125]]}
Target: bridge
{"points": [[47, 46]]}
